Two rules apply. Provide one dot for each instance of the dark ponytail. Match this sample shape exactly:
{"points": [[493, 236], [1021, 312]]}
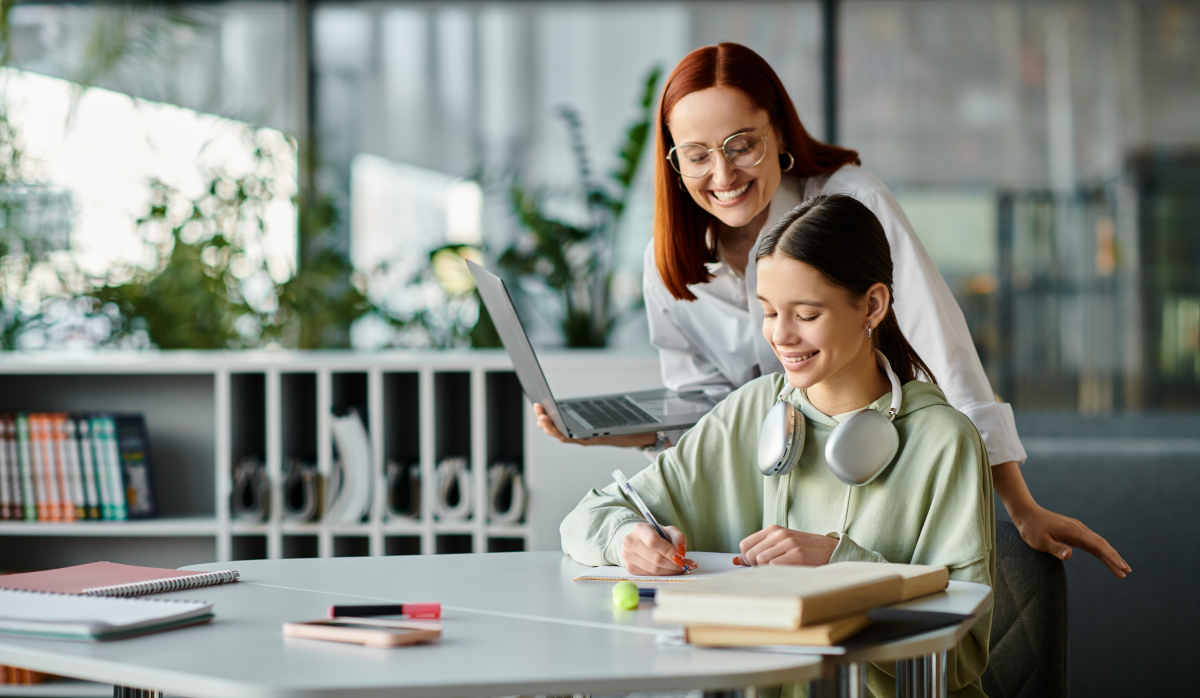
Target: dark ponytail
{"points": [[838, 236]]}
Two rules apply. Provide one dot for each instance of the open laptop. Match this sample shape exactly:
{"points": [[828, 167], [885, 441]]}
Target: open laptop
{"points": [[583, 418]]}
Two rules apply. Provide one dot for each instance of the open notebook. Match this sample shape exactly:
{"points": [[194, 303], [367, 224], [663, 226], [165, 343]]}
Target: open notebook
{"points": [[75, 617], [710, 565]]}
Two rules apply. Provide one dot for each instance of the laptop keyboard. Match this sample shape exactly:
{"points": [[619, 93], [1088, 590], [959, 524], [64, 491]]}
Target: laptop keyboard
{"points": [[610, 413]]}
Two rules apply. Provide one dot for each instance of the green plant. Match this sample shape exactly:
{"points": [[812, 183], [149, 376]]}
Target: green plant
{"points": [[576, 261]]}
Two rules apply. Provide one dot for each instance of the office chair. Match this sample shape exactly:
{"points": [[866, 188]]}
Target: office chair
{"points": [[1030, 622]]}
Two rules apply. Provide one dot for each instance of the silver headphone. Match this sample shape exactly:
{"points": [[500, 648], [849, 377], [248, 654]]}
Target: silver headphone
{"points": [[858, 450]]}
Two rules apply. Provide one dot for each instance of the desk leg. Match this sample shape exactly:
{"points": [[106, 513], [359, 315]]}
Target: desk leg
{"points": [[123, 692], [850, 682], [923, 677]]}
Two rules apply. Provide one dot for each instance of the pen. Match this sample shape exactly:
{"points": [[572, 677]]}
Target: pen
{"points": [[637, 501], [412, 610]]}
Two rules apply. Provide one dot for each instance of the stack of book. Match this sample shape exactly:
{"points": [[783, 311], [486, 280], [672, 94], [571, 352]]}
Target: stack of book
{"points": [[782, 605], [56, 466]]}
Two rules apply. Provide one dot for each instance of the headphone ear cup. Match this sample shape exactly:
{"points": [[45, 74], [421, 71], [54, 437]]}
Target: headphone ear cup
{"points": [[862, 447], [781, 439]]}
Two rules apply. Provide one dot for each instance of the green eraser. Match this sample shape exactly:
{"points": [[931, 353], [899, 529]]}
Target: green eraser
{"points": [[625, 595]]}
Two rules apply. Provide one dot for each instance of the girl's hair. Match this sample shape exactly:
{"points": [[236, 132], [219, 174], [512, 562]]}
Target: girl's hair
{"points": [[681, 247], [838, 236]]}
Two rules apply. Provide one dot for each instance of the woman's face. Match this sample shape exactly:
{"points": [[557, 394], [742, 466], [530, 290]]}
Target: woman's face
{"points": [[735, 195], [818, 330]]}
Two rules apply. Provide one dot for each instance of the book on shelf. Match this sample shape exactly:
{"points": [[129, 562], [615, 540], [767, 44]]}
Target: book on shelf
{"points": [[75, 467], [782, 597]]}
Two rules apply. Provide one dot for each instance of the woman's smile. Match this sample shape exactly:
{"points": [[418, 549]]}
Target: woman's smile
{"points": [[794, 361], [733, 196]]}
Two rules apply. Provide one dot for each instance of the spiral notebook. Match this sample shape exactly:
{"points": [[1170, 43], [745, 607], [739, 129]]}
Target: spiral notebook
{"points": [[72, 617], [112, 579]]}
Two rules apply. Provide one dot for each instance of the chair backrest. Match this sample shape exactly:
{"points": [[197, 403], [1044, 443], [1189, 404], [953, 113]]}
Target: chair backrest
{"points": [[1030, 622]]}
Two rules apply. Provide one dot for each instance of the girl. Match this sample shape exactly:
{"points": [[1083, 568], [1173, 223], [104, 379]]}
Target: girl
{"points": [[825, 289]]}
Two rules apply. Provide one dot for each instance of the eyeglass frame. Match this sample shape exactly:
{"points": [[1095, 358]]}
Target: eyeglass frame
{"points": [[723, 153]]}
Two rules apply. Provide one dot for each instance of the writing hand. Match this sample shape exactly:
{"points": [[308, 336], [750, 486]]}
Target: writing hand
{"points": [[646, 554], [776, 545]]}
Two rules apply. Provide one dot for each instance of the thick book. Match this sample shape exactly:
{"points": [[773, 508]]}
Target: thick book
{"points": [[112, 579], [780, 597], [133, 456], [919, 580], [823, 635], [71, 617]]}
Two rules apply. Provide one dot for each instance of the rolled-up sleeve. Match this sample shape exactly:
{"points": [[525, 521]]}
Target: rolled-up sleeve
{"points": [[930, 318]]}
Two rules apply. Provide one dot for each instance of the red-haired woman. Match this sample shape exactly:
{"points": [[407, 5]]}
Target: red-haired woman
{"points": [[732, 158]]}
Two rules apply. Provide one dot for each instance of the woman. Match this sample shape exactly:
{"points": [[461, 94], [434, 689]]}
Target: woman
{"points": [[734, 157], [825, 287]]}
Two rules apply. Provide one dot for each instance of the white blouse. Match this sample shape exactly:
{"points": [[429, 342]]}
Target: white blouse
{"points": [[715, 343]]}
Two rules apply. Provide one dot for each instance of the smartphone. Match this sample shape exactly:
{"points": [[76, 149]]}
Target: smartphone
{"points": [[372, 632]]}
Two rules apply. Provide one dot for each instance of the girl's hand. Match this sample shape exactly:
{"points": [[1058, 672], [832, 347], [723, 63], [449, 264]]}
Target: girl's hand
{"points": [[626, 441], [776, 545], [1054, 533], [646, 554]]}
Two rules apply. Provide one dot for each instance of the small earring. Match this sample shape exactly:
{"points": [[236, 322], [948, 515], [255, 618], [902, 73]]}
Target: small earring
{"points": [[868, 330], [791, 161]]}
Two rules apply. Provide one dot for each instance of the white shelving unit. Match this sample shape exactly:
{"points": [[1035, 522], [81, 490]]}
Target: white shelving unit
{"points": [[206, 409]]}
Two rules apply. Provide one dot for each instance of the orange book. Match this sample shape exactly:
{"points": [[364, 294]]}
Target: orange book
{"points": [[54, 484]]}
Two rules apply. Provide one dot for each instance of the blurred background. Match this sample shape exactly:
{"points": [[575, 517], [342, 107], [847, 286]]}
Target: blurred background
{"points": [[310, 175]]}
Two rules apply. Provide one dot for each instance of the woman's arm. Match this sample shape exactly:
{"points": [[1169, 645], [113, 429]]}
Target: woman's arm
{"points": [[1045, 530], [934, 324]]}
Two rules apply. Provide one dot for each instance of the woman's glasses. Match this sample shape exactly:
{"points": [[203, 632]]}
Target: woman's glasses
{"points": [[741, 149]]}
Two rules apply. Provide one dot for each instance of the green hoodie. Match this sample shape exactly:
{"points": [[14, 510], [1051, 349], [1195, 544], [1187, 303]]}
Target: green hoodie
{"points": [[932, 505]]}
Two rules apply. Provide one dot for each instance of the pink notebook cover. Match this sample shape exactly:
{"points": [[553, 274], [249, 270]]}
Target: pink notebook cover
{"points": [[112, 579]]}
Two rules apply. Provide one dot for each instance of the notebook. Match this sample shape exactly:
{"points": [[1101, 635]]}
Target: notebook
{"points": [[112, 579], [72, 617], [709, 565]]}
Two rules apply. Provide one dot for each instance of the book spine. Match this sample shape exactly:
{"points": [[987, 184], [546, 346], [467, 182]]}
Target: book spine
{"points": [[9, 443], [112, 463], [29, 487], [83, 447], [96, 444], [69, 450], [66, 481], [135, 467], [47, 495], [6, 493]]}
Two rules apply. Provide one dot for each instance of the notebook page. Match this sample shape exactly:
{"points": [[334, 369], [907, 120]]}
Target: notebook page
{"points": [[709, 565]]}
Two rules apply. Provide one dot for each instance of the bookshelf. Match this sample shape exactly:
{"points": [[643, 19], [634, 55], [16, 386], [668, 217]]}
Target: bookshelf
{"points": [[206, 409]]}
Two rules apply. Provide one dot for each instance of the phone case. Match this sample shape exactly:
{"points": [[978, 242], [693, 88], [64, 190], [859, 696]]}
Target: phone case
{"points": [[379, 635]]}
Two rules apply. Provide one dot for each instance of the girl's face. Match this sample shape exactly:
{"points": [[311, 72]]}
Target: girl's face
{"points": [[735, 195], [818, 331]]}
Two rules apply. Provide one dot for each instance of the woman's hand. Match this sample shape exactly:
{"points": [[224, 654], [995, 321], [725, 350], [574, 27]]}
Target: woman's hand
{"points": [[626, 441], [1046, 531], [776, 545], [646, 554], [1054, 533]]}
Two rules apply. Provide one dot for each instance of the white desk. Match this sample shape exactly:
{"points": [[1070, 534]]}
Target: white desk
{"points": [[538, 586], [489, 651]]}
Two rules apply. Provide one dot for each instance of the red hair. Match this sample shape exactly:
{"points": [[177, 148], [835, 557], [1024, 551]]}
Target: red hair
{"points": [[681, 248]]}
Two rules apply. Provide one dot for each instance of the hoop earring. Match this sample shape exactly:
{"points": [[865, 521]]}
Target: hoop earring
{"points": [[791, 161]]}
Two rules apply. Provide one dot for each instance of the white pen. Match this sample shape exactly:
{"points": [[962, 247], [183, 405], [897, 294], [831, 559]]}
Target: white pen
{"points": [[637, 501]]}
